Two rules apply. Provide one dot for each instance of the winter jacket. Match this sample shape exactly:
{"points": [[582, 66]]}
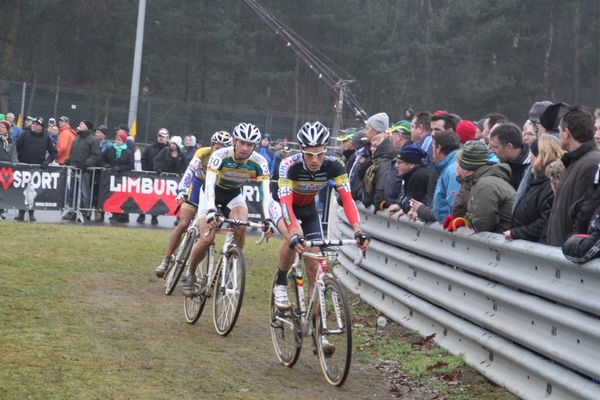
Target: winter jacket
{"points": [[85, 150], [447, 187], [188, 152], [533, 209], [519, 165], [64, 143], [10, 154], [32, 148], [415, 186], [150, 154], [165, 162], [380, 170], [269, 155], [580, 248], [393, 183], [15, 131], [105, 145], [581, 167], [490, 202], [124, 163], [349, 156]]}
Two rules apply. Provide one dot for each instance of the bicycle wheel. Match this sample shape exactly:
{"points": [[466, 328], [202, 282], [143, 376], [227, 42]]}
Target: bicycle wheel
{"points": [[194, 305], [335, 361], [179, 264], [286, 330], [227, 300]]}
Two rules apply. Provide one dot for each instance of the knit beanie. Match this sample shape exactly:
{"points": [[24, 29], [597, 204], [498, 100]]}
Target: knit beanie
{"points": [[412, 154], [466, 131], [6, 124], [551, 117], [380, 122], [473, 155], [122, 136], [89, 124], [177, 140], [359, 140]]}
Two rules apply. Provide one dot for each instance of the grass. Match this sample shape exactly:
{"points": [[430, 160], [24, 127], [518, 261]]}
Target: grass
{"points": [[83, 316]]}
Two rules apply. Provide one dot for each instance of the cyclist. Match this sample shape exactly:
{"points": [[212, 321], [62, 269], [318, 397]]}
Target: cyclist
{"points": [[301, 177], [228, 169], [188, 192]]}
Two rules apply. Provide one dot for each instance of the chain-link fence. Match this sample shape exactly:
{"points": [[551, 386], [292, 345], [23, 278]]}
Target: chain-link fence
{"points": [[180, 118]]}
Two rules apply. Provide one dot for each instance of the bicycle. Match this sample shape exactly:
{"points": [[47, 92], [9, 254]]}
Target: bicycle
{"points": [[327, 316], [223, 281], [178, 262]]}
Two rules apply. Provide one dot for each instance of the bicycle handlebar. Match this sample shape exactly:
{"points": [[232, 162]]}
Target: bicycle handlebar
{"points": [[331, 242], [236, 222]]}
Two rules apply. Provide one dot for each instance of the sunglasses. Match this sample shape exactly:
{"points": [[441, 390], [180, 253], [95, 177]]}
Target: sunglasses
{"points": [[314, 155]]}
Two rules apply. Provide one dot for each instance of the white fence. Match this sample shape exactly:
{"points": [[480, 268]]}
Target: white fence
{"points": [[519, 312]]}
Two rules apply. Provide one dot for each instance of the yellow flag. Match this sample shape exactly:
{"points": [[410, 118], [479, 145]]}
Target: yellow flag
{"points": [[19, 121], [133, 131]]}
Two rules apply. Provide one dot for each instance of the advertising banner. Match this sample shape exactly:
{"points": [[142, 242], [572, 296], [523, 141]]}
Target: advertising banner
{"points": [[26, 186]]}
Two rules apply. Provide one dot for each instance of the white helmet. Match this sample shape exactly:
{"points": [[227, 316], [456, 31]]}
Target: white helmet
{"points": [[247, 132], [313, 134], [221, 137]]}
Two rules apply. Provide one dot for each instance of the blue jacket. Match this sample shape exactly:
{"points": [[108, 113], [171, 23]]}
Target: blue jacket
{"points": [[269, 155], [447, 187]]}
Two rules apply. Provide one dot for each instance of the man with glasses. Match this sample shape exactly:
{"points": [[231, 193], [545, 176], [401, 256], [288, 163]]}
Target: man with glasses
{"points": [[301, 176]]}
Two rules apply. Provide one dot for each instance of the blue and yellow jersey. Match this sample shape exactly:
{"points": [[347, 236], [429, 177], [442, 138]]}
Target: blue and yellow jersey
{"points": [[230, 174], [224, 172], [196, 168]]}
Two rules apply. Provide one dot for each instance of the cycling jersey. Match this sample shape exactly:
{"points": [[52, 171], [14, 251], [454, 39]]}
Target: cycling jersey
{"points": [[226, 173], [298, 186], [195, 169]]}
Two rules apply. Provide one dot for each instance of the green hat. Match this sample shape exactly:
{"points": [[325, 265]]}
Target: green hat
{"points": [[347, 134], [2, 117], [31, 118], [402, 126]]}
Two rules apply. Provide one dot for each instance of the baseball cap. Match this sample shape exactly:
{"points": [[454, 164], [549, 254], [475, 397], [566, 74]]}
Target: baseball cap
{"points": [[163, 132], [347, 134]]}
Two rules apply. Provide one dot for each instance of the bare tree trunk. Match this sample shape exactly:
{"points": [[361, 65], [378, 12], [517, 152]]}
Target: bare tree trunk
{"points": [[296, 95], [56, 95], [11, 37], [576, 55], [547, 56], [32, 94]]}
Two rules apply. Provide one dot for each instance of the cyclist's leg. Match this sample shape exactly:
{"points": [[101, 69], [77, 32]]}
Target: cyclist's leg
{"points": [[185, 217], [236, 208], [313, 230]]}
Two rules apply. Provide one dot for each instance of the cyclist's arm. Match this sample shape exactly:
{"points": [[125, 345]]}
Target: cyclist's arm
{"points": [[343, 188], [286, 202], [189, 173], [209, 188]]}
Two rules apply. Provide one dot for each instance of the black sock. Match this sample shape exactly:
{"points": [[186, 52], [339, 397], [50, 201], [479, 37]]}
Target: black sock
{"points": [[281, 277]]}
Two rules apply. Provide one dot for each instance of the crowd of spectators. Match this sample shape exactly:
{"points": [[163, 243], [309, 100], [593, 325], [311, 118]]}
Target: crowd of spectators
{"points": [[539, 183]]}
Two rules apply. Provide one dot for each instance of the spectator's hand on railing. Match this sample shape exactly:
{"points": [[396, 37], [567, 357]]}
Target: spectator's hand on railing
{"points": [[44, 165], [392, 209], [507, 235], [114, 169]]}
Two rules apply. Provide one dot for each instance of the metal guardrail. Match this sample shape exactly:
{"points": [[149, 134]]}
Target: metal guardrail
{"points": [[519, 312]]}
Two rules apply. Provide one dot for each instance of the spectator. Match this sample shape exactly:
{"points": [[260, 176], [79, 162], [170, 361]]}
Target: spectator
{"points": [[266, 152], [14, 130], [446, 145], [555, 171], [597, 127], [359, 141], [529, 132], [550, 119], [148, 164], [376, 124], [479, 130], [400, 135], [415, 175], [119, 159], [490, 121], [8, 149], [65, 139], [532, 210], [171, 159], [28, 122], [53, 132], [466, 130], [420, 133], [101, 132], [278, 147], [506, 141], [348, 149], [491, 198], [581, 166], [130, 142], [85, 153], [537, 110], [32, 146], [409, 114], [189, 147], [442, 121], [375, 177]]}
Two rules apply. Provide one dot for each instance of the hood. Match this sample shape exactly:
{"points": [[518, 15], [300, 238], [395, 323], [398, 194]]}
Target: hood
{"points": [[501, 171], [385, 149]]}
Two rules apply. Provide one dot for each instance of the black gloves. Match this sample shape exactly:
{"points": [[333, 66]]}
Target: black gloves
{"points": [[295, 240], [84, 167], [115, 169], [44, 165]]}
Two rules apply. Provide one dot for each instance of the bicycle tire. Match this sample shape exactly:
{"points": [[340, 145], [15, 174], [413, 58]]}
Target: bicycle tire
{"points": [[338, 332], [285, 327], [194, 305], [183, 254], [227, 301]]}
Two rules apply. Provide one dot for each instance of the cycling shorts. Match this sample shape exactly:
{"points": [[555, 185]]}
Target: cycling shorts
{"points": [[227, 199], [308, 216]]}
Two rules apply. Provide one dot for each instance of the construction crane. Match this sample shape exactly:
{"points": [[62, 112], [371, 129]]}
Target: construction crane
{"points": [[343, 95]]}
